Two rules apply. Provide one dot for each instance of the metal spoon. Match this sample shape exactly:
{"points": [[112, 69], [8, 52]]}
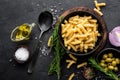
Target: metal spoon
{"points": [[45, 21]]}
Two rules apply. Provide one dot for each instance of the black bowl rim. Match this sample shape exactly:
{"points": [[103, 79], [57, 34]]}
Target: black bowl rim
{"points": [[106, 49], [93, 13]]}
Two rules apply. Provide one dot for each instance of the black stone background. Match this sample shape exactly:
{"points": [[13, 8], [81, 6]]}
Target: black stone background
{"points": [[16, 12]]}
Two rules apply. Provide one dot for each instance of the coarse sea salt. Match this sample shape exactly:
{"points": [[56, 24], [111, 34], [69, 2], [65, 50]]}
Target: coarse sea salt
{"points": [[22, 54]]}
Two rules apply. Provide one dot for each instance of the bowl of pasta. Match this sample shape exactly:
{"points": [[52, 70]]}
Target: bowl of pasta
{"points": [[82, 31]]}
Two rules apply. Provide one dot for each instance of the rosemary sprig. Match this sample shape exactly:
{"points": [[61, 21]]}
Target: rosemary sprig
{"points": [[55, 66], [98, 67]]}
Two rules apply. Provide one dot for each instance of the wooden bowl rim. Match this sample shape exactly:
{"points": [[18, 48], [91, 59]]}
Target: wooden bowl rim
{"points": [[93, 13]]}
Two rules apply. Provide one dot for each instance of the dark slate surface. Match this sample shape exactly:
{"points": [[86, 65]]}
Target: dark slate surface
{"points": [[16, 12]]}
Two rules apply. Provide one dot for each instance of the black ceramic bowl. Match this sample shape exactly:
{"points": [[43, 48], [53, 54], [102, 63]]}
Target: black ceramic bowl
{"points": [[115, 52], [81, 11]]}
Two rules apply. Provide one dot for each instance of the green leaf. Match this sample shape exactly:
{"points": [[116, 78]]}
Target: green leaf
{"points": [[98, 67]]}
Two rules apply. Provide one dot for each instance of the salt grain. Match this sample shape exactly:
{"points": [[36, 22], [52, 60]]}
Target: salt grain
{"points": [[40, 56], [10, 60], [62, 9], [44, 51], [35, 37], [38, 5], [51, 10], [51, 56], [54, 6], [55, 11], [59, 3]]}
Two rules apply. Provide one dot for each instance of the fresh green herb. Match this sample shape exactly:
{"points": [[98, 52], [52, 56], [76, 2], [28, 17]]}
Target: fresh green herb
{"points": [[108, 73], [55, 66]]}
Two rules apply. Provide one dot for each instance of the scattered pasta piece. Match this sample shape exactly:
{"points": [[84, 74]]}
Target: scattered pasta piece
{"points": [[70, 63], [82, 64], [49, 40], [101, 4], [71, 76], [72, 57], [99, 12], [98, 5]]}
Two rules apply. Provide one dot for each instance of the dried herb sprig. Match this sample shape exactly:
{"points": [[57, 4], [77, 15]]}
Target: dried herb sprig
{"points": [[55, 66]]}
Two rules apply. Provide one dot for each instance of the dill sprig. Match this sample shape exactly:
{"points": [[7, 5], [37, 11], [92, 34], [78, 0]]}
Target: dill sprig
{"points": [[55, 66], [98, 67]]}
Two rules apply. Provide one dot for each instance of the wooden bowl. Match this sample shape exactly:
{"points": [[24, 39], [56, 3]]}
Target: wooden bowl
{"points": [[81, 11]]}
